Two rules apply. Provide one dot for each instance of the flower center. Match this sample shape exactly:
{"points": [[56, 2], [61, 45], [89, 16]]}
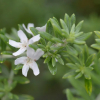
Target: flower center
{"points": [[29, 60], [24, 44]]}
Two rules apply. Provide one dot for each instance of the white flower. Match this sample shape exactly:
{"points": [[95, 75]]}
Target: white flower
{"points": [[28, 27], [24, 42], [42, 29], [29, 61]]}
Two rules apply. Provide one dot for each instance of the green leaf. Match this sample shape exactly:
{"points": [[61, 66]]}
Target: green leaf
{"points": [[81, 57], [56, 26], [78, 27], [47, 59], [46, 35], [6, 52], [87, 71], [72, 19], [60, 60], [97, 33], [96, 46], [53, 61], [64, 26], [78, 48], [52, 69], [71, 49], [34, 31], [56, 40], [69, 74], [18, 67], [90, 59], [67, 20], [72, 29], [78, 75], [69, 95], [84, 36], [98, 41], [21, 79], [74, 59], [78, 34], [79, 42], [49, 28], [42, 41], [64, 33], [72, 66], [41, 46], [4, 38], [88, 86], [34, 46], [86, 52]]}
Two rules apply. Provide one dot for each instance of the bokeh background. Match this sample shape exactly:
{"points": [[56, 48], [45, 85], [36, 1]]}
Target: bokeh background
{"points": [[13, 12]]}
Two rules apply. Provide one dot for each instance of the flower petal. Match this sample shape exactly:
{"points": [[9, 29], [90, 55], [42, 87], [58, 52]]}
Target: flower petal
{"points": [[28, 27], [14, 43], [25, 70], [42, 29], [38, 54], [34, 55], [21, 50], [22, 36], [34, 39], [30, 52], [35, 68], [20, 60]]}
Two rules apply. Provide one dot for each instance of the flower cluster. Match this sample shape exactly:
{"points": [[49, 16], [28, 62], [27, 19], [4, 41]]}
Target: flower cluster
{"points": [[23, 45]]}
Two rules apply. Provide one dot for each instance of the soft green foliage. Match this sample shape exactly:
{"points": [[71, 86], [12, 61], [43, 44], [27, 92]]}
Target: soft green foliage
{"points": [[63, 43]]}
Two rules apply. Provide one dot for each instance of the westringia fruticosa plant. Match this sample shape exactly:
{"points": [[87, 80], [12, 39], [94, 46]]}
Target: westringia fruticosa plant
{"points": [[60, 42]]}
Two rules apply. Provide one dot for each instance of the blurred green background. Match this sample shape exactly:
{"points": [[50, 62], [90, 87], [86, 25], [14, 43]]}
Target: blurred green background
{"points": [[14, 12]]}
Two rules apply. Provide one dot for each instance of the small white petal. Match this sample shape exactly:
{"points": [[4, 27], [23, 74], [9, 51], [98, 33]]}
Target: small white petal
{"points": [[25, 70], [28, 27], [22, 36], [35, 68], [30, 52], [34, 55], [14, 43], [25, 27], [38, 54], [42, 29], [20, 60], [34, 39], [21, 50]]}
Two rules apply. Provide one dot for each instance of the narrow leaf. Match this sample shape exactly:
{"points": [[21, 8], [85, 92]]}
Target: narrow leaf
{"points": [[84, 36], [64, 26], [34, 31], [45, 35], [78, 27], [88, 86], [69, 74], [52, 69]]}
